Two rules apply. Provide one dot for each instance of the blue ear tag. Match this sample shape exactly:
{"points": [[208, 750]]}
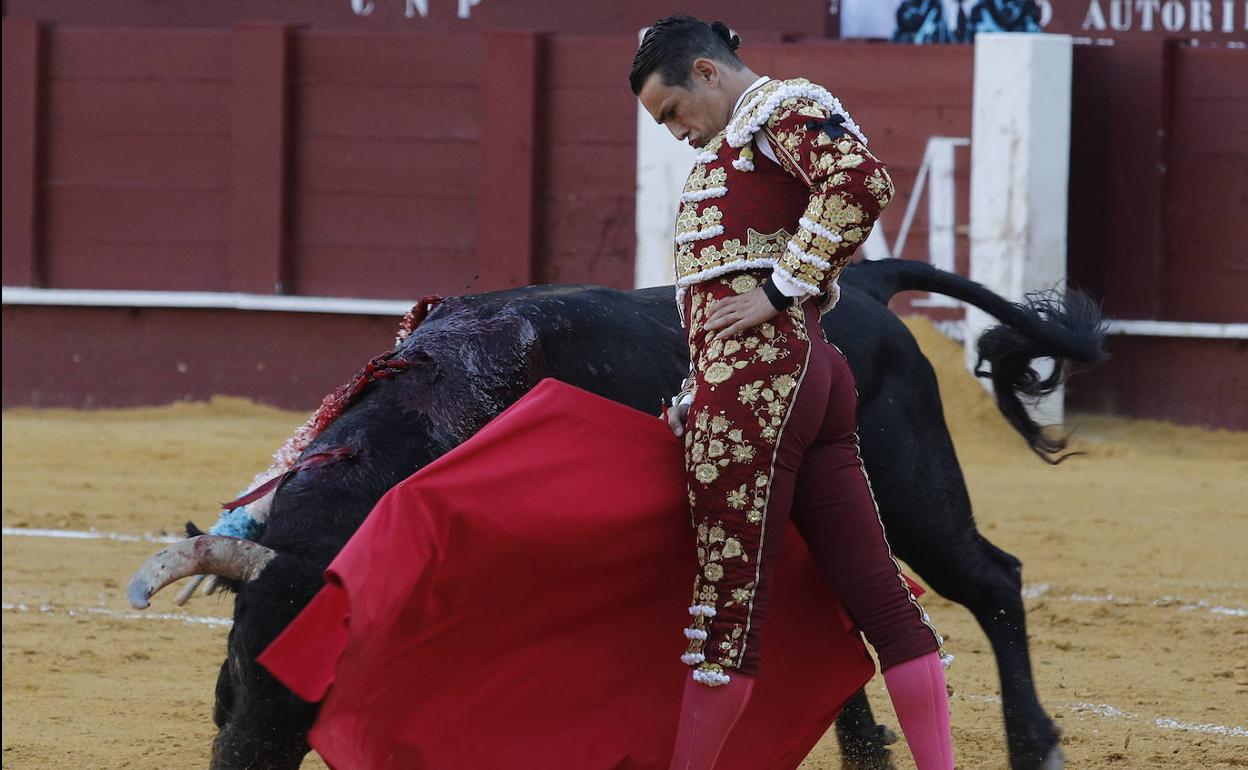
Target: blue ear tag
{"points": [[237, 523]]}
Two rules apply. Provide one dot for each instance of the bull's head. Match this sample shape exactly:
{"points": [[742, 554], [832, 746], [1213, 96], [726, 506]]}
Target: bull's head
{"points": [[262, 725]]}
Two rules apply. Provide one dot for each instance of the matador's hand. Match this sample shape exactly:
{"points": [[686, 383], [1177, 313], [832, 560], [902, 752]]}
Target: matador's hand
{"points": [[676, 417], [740, 312]]}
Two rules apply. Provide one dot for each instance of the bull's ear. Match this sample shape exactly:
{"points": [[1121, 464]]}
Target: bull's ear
{"points": [[192, 530]]}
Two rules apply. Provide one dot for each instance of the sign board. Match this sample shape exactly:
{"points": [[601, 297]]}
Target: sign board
{"points": [[953, 21]]}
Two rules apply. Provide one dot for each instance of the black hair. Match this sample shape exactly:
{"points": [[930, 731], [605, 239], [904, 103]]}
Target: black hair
{"points": [[672, 44]]}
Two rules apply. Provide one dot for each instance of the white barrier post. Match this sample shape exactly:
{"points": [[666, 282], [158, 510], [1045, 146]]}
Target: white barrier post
{"points": [[662, 166], [1020, 157]]}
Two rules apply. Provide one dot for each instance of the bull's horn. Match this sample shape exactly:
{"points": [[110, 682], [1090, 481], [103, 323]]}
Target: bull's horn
{"points": [[229, 557]]}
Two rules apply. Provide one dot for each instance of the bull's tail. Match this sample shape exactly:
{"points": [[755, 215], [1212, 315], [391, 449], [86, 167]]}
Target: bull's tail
{"points": [[1061, 323]]}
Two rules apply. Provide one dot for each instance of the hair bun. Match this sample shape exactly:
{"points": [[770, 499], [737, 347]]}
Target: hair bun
{"points": [[721, 29]]}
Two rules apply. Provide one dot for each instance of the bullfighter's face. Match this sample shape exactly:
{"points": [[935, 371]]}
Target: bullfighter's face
{"points": [[695, 111]]}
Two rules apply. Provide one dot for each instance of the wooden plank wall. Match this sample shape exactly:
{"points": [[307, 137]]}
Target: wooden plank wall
{"points": [[588, 171], [1205, 192], [384, 170], [273, 159], [1159, 180], [136, 159], [269, 160]]}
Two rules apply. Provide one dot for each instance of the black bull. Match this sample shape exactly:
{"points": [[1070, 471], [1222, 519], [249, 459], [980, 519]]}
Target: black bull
{"points": [[474, 355]]}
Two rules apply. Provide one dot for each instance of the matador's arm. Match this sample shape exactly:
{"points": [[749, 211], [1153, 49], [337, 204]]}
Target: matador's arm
{"points": [[849, 187]]}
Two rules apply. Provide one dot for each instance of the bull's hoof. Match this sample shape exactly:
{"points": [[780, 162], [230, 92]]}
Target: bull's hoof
{"points": [[870, 754], [1054, 760]]}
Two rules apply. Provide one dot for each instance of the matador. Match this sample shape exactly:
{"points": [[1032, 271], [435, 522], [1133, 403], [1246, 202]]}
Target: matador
{"points": [[782, 193]]}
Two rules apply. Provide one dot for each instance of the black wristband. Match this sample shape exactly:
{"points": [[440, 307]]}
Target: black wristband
{"points": [[778, 299]]}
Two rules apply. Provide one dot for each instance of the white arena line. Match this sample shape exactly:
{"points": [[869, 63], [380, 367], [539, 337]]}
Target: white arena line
{"points": [[47, 609], [1106, 711], [1176, 602], [1034, 591], [89, 534]]}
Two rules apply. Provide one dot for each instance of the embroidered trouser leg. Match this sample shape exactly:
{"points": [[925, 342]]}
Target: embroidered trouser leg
{"points": [[772, 420]]}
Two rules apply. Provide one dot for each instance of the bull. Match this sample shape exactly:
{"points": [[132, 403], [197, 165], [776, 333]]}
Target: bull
{"points": [[475, 355]]}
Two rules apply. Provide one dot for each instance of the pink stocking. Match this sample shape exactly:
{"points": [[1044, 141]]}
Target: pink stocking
{"points": [[707, 715], [917, 688]]}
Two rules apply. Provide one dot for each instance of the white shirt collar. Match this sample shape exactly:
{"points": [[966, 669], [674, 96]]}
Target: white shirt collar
{"points": [[748, 91]]}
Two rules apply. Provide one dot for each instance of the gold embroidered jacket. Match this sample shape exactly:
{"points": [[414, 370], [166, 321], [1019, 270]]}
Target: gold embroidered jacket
{"points": [[804, 218]]}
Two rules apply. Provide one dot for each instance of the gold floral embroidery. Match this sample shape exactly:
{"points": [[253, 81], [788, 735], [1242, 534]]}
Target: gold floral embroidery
{"points": [[757, 245], [730, 645], [691, 220], [839, 213], [790, 140], [718, 372], [741, 594], [809, 242], [729, 447], [701, 178], [880, 186], [784, 384], [852, 160]]}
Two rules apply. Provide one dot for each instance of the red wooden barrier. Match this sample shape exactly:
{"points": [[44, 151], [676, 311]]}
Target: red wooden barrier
{"points": [[23, 62], [385, 160], [260, 159], [507, 158], [266, 158]]}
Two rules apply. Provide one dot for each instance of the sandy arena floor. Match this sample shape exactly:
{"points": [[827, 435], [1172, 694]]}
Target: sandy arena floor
{"points": [[1137, 602]]}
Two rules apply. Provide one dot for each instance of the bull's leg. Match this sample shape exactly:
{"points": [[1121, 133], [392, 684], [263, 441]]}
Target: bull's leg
{"points": [[988, 582], [863, 742], [927, 513]]}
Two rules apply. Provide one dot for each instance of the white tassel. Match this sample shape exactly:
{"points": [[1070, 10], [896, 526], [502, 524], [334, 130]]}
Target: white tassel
{"points": [[704, 610], [692, 658], [741, 130], [786, 281], [701, 195], [743, 164], [806, 256], [695, 633], [946, 660], [700, 235], [727, 267], [711, 678], [819, 229]]}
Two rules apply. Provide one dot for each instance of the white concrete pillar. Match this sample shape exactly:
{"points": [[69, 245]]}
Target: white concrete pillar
{"points": [[1020, 156]]}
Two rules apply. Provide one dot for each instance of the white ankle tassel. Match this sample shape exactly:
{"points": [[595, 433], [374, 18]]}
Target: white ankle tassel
{"points": [[711, 678]]}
